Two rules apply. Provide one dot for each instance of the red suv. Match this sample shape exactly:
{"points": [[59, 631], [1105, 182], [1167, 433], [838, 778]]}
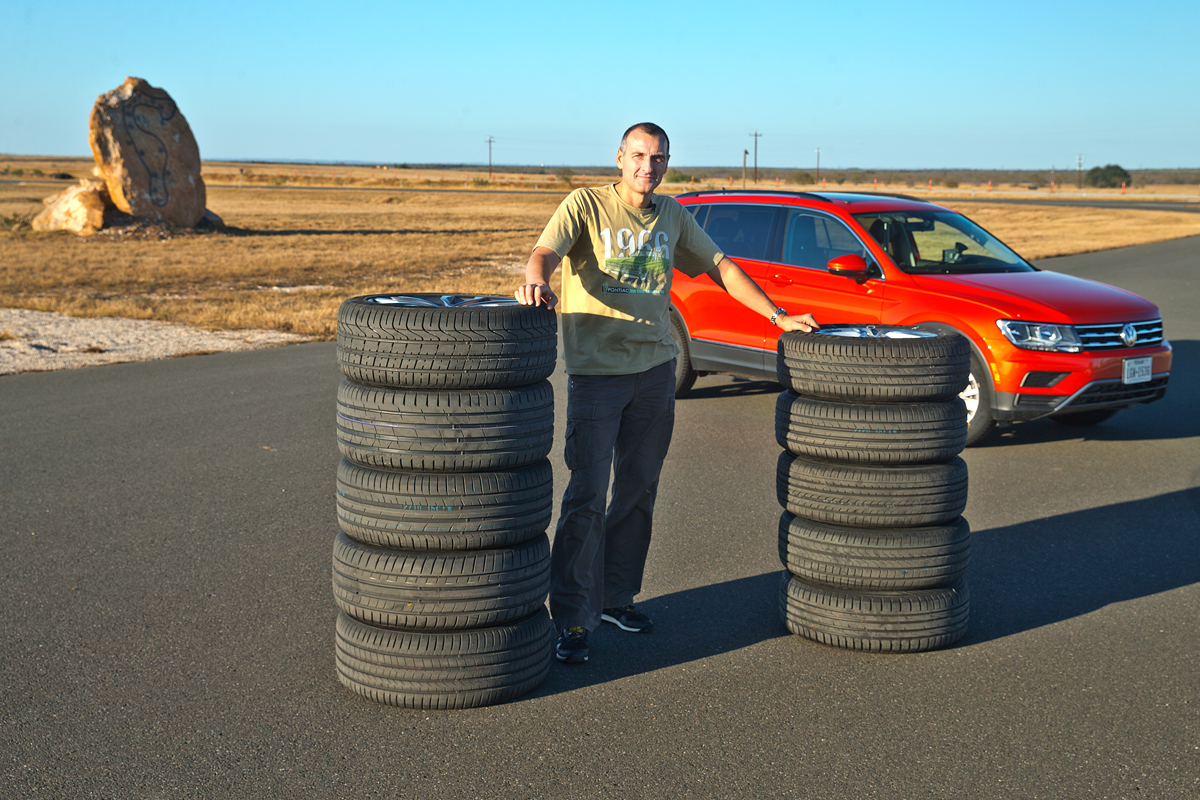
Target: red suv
{"points": [[1042, 343]]}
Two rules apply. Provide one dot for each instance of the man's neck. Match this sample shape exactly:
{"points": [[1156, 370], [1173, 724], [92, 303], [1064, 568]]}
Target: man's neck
{"points": [[635, 199]]}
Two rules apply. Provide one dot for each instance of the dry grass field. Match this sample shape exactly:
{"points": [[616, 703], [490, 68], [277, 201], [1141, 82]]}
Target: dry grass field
{"points": [[290, 255]]}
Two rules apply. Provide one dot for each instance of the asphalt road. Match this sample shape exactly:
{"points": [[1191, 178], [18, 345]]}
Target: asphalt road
{"points": [[167, 530]]}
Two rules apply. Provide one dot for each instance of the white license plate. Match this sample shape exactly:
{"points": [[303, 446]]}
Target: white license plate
{"points": [[1136, 370]]}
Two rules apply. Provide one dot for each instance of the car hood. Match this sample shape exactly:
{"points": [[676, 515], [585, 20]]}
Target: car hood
{"points": [[1044, 296]]}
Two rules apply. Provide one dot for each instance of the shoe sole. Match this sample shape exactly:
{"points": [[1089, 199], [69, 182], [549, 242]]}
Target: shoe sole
{"points": [[615, 621], [571, 658]]}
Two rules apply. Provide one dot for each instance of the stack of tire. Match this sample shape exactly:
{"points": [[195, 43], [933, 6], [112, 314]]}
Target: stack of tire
{"points": [[444, 495], [873, 537]]}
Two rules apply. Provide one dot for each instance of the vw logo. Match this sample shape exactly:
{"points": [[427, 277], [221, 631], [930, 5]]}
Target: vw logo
{"points": [[1129, 335]]}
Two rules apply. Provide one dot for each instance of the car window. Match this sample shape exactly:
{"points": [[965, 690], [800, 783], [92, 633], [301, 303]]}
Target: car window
{"points": [[813, 240], [742, 231], [939, 242], [699, 212]]}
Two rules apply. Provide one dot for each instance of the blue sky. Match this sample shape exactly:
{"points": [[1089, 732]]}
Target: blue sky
{"points": [[874, 84]]}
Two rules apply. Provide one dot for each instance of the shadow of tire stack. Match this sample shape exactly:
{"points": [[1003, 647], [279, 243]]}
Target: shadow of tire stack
{"points": [[873, 536], [444, 495]]}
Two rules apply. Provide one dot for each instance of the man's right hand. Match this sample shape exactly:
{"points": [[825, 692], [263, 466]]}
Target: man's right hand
{"points": [[530, 294]]}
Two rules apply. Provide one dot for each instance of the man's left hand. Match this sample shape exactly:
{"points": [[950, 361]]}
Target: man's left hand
{"points": [[799, 322]]}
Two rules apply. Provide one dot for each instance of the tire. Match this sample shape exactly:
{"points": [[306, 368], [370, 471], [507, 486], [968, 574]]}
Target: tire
{"points": [[979, 400], [1084, 419], [467, 431], [859, 496], [462, 669], [430, 341], [877, 621], [440, 591], [440, 511], [866, 559], [837, 363], [860, 433], [685, 376]]}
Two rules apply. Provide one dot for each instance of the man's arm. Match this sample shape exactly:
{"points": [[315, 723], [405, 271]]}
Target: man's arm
{"points": [[730, 277], [536, 289]]}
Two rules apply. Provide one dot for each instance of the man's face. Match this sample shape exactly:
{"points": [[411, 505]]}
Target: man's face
{"points": [[644, 162]]}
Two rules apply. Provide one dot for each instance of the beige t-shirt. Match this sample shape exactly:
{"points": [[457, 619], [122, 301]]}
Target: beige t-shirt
{"points": [[617, 262]]}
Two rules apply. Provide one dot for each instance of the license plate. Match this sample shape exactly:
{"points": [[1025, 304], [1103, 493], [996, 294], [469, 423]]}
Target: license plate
{"points": [[1136, 370]]}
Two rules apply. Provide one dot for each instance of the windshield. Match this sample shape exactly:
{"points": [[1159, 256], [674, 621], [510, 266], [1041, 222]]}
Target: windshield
{"points": [[939, 242]]}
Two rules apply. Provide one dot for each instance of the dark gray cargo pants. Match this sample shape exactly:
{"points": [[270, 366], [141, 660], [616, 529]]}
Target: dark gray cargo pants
{"points": [[620, 424]]}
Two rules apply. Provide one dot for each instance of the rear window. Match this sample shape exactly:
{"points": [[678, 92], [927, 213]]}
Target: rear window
{"points": [[742, 231]]}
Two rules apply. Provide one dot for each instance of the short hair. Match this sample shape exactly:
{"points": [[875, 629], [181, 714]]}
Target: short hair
{"points": [[648, 128]]}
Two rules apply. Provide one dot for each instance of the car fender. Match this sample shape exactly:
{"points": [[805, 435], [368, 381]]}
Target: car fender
{"points": [[945, 327]]}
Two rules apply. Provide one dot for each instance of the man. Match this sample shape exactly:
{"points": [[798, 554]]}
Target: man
{"points": [[618, 245]]}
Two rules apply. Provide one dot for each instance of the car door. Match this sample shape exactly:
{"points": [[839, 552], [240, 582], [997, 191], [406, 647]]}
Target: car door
{"points": [[726, 335], [800, 280]]}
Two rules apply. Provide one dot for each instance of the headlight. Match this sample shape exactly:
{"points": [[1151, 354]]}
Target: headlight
{"points": [[1040, 336]]}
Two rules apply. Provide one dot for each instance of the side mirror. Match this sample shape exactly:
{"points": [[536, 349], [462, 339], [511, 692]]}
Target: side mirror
{"points": [[851, 266]]}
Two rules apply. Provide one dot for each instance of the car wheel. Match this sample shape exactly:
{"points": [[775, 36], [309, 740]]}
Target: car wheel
{"points": [[452, 669], [445, 341], [685, 376], [874, 558], [440, 511], [867, 496], [978, 399], [1082, 419], [874, 363], [416, 590], [430, 431], [875, 621], [870, 433]]}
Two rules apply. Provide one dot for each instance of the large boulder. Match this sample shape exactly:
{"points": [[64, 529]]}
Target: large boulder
{"points": [[147, 155], [79, 209]]}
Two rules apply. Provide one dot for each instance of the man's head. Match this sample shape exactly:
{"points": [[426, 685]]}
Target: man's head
{"points": [[642, 157]]}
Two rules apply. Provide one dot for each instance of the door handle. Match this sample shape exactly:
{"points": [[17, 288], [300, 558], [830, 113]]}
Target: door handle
{"points": [[782, 279]]}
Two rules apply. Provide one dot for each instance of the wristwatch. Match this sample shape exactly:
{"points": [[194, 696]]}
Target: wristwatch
{"points": [[776, 315]]}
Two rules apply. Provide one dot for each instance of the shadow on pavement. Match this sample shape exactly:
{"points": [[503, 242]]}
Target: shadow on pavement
{"points": [[736, 386], [1049, 570], [1169, 418], [689, 625]]}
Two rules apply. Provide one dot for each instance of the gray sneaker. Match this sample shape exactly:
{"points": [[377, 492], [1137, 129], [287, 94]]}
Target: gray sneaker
{"points": [[628, 619], [572, 646]]}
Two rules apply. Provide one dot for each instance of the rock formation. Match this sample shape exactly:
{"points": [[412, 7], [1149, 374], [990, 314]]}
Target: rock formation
{"points": [[79, 209], [147, 155]]}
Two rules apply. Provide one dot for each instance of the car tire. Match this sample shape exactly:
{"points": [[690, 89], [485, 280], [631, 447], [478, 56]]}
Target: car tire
{"points": [[868, 496], [871, 433], [875, 621], [459, 669], [1084, 419], [431, 341], [685, 376], [872, 558], [863, 364], [449, 431], [980, 400], [444, 511], [391, 588]]}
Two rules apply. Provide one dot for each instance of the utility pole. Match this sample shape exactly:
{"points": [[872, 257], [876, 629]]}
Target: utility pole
{"points": [[489, 141], [744, 154], [818, 165], [756, 135], [1079, 169]]}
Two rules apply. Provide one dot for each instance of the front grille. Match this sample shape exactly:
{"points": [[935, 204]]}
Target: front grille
{"points": [[1108, 337], [1107, 393]]}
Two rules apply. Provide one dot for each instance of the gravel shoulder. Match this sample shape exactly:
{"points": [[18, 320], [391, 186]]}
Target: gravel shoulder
{"points": [[40, 341]]}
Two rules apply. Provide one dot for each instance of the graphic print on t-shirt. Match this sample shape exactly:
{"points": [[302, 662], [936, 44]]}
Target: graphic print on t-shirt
{"points": [[641, 266]]}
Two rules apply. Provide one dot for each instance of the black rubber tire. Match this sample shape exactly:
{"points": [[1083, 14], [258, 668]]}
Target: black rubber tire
{"points": [[879, 622], [440, 591], [467, 431], [460, 669], [889, 559], [1085, 419], [862, 496], [979, 394], [873, 370], [492, 343], [871, 433], [444, 511], [685, 376]]}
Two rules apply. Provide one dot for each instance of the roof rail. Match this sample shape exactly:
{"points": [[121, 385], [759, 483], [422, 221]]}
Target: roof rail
{"points": [[777, 192], [896, 195]]}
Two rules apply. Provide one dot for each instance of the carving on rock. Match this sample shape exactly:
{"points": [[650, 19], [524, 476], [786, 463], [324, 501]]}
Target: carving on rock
{"points": [[145, 151]]}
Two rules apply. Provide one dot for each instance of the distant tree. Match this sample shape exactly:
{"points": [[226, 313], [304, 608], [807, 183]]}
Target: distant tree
{"points": [[1109, 176], [839, 177], [801, 178], [675, 176], [950, 183]]}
